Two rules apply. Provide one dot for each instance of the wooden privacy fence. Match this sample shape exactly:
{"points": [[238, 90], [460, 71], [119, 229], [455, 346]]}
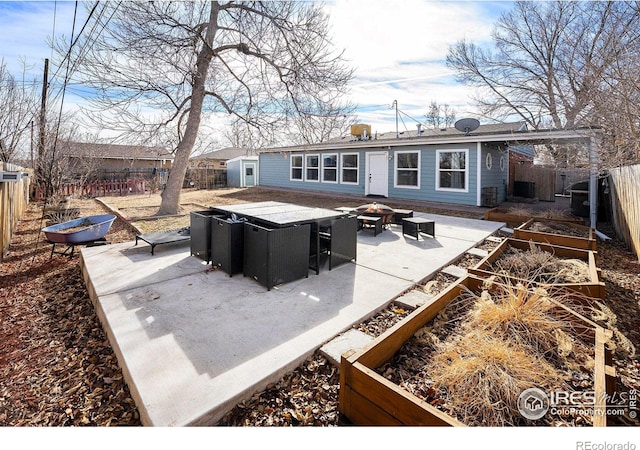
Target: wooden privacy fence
{"points": [[624, 184], [543, 177], [14, 198], [96, 188]]}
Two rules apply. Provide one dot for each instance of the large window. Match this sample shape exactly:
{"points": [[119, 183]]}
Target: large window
{"points": [[349, 168], [451, 170], [407, 169], [296, 167], [330, 168], [313, 168]]}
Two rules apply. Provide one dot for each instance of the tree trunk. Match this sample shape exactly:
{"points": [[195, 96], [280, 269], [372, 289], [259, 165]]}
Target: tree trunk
{"points": [[171, 195]]}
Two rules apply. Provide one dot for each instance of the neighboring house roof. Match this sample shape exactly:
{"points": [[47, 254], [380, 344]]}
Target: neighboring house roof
{"points": [[222, 154], [113, 151], [514, 133]]}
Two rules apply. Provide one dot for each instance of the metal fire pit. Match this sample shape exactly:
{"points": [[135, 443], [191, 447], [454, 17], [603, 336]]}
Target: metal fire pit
{"points": [[377, 210]]}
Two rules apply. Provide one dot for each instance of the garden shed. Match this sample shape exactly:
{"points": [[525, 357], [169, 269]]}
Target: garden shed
{"points": [[243, 171]]}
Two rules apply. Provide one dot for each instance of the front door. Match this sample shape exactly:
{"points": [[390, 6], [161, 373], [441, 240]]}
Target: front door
{"points": [[377, 182], [249, 174]]}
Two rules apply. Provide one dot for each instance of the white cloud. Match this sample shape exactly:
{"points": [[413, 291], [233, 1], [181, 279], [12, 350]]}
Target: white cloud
{"points": [[399, 48], [26, 29]]}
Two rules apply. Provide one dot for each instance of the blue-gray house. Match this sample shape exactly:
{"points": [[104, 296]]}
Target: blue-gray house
{"points": [[446, 165]]}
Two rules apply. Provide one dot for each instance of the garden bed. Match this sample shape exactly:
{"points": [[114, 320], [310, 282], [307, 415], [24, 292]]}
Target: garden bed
{"points": [[545, 264], [368, 397], [516, 217], [557, 233]]}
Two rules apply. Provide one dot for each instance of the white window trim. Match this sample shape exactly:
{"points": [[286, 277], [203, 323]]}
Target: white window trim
{"points": [[466, 170], [356, 168], [291, 167], [318, 168], [336, 168], [395, 168]]}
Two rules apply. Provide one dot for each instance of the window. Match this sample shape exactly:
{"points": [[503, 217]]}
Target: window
{"points": [[349, 168], [489, 161], [407, 169], [451, 170], [313, 168], [296, 167], [330, 168]]}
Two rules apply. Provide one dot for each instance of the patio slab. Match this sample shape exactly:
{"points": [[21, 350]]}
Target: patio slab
{"points": [[193, 342]]}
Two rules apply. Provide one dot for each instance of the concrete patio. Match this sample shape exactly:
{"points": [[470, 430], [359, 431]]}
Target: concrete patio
{"points": [[193, 342]]}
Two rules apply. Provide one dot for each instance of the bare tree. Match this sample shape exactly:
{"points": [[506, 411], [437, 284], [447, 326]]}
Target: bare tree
{"points": [[52, 164], [161, 68], [550, 61], [18, 100], [439, 116]]}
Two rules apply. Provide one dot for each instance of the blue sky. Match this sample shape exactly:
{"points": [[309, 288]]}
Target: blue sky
{"points": [[398, 48]]}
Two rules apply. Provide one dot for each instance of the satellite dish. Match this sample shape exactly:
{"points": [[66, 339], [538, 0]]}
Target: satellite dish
{"points": [[467, 125]]}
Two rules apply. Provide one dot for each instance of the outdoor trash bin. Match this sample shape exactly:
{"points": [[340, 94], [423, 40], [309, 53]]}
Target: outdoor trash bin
{"points": [[227, 244], [201, 233]]}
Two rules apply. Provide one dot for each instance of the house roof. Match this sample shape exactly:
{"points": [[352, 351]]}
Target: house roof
{"points": [[513, 133], [113, 151], [244, 158], [222, 154]]}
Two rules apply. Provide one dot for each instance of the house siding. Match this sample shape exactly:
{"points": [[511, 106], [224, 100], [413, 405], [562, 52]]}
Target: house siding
{"points": [[233, 173], [495, 176], [274, 171]]}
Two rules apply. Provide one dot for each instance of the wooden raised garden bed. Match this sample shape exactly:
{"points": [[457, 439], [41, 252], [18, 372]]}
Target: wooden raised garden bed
{"points": [[515, 220], [367, 397], [557, 233], [591, 286]]}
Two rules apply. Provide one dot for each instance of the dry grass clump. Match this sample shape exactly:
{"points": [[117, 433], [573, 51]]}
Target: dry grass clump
{"points": [[541, 266], [559, 228], [525, 316], [481, 377], [489, 347], [544, 214]]}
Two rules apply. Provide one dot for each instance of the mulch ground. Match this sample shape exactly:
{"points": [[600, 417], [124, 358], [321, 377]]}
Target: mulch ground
{"points": [[58, 368]]}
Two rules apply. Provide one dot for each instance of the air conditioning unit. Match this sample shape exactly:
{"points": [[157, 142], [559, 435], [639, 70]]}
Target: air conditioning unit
{"points": [[10, 176]]}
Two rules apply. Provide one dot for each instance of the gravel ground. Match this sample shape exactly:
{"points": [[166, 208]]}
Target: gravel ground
{"points": [[58, 369]]}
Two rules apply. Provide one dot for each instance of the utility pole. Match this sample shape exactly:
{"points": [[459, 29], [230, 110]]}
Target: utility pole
{"points": [[395, 103], [43, 117]]}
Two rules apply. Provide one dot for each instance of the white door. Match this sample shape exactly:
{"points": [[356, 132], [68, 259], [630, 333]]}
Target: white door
{"points": [[249, 174], [377, 182]]}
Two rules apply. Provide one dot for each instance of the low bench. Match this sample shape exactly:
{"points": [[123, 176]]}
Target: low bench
{"points": [[399, 214], [413, 226], [374, 222], [164, 237]]}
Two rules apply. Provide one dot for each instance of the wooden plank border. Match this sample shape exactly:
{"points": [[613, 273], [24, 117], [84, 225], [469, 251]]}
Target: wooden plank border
{"points": [[524, 232], [367, 398], [593, 288]]}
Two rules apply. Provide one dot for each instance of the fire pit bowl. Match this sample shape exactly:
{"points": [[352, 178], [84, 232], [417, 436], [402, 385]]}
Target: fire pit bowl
{"points": [[377, 210]]}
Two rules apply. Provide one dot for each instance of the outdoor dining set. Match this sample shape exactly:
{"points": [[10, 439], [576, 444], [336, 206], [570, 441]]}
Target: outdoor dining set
{"points": [[275, 242]]}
